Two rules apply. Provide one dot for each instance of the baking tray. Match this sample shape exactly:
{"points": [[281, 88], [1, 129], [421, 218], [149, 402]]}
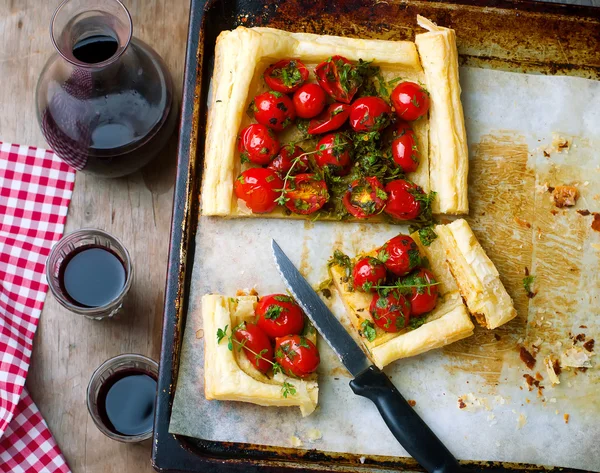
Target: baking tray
{"points": [[515, 36]]}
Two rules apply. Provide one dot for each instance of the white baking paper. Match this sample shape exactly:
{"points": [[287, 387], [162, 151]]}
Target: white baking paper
{"points": [[511, 120]]}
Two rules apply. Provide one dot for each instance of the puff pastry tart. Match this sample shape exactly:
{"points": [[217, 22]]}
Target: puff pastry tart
{"points": [[406, 297], [324, 127], [261, 351]]}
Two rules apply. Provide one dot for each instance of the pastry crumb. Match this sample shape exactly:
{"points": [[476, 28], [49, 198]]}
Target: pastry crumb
{"points": [[565, 196], [200, 334], [313, 435], [561, 143], [551, 365], [576, 357], [566, 418], [521, 421], [412, 403]]}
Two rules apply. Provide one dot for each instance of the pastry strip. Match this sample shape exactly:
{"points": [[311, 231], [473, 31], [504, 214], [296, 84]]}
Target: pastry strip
{"points": [[448, 152]]}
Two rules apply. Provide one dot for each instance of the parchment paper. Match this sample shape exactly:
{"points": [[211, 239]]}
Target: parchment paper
{"points": [[511, 119]]}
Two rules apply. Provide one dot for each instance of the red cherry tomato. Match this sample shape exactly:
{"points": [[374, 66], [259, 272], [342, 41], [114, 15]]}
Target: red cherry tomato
{"points": [[259, 188], [368, 272], [402, 200], [297, 355], [305, 194], [405, 151], [257, 346], [369, 114], [273, 109], [339, 78], [365, 197], [333, 150], [390, 312], [258, 144], [331, 119], [309, 100], [279, 315], [286, 76], [423, 299], [410, 100], [400, 255], [285, 159]]}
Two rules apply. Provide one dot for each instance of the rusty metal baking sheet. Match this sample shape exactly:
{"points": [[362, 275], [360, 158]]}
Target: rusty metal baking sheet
{"points": [[527, 134]]}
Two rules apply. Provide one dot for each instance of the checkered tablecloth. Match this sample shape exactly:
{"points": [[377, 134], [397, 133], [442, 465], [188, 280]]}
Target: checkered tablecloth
{"points": [[35, 191]]}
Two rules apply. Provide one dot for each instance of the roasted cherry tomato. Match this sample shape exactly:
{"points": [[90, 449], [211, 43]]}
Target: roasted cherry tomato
{"points": [[333, 150], [339, 78], [279, 315], [367, 273], [425, 294], [286, 76], [331, 119], [309, 100], [273, 109], [297, 355], [369, 114], [403, 203], [257, 346], [258, 144], [365, 197], [405, 151], [305, 194], [410, 100], [390, 312], [259, 188], [400, 255], [285, 159]]}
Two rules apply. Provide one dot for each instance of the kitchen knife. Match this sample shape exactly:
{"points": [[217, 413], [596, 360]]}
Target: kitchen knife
{"points": [[369, 381]]}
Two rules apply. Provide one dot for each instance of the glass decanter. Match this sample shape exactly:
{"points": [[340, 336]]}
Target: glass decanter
{"points": [[104, 99]]}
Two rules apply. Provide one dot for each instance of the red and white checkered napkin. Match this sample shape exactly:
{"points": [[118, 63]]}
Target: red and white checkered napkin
{"points": [[35, 191]]}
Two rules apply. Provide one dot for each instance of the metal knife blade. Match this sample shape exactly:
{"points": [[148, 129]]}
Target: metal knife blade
{"points": [[353, 358]]}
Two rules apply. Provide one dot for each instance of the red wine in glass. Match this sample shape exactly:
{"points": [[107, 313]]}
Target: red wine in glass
{"points": [[92, 276], [126, 402]]}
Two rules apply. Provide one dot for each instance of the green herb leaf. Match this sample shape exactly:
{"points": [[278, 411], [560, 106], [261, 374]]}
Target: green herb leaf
{"points": [[427, 235], [288, 389], [260, 356], [527, 283], [368, 330], [416, 322], [283, 299], [414, 258], [303, 343], [277, 368], [221, 334], [273, 312], [383, 255]]}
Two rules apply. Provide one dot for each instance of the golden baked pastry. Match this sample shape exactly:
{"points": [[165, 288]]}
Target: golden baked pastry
{"points": [[241, 57], [230, 376], [461, 270]]}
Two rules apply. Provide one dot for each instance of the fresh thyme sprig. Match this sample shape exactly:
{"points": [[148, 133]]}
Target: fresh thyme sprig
{"points": [[282, 199], [403, 288]]}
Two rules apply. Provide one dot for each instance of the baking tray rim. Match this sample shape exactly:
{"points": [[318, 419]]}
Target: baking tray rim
{"points": [[174, 452]]}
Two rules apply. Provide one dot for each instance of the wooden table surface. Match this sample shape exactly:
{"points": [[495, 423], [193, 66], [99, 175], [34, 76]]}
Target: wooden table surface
{"points": [[136, 210]]}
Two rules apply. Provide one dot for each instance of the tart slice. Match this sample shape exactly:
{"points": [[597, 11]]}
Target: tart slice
{"points": [[261, 351], [415, 293], [407, 309]]}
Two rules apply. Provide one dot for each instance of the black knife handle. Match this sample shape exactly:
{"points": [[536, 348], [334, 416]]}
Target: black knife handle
{"points": [[408, 428]]}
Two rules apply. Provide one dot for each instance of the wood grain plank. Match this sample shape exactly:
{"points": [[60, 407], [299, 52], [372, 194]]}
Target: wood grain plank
{"points": [[136, 209]]}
